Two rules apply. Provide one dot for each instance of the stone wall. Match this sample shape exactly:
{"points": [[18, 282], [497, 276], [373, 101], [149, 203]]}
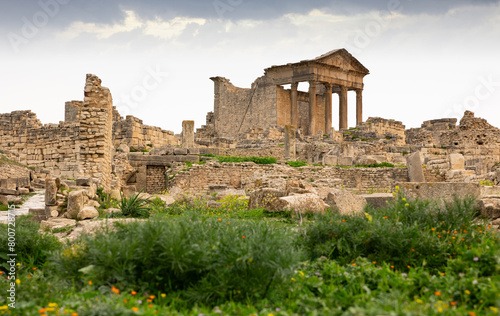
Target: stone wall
{"points": [[238, 110], [132, 132], [250, 176], [155, 179]]}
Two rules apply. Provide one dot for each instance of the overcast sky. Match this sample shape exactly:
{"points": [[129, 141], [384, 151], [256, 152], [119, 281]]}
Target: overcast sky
{"points": [[427, 59]]}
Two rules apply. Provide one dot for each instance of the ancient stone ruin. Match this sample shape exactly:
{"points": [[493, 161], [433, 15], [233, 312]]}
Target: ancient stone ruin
{"points": [[96, 147]]}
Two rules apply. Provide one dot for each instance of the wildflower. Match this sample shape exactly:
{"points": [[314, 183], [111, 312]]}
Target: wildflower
{"points": [[149, 300], [301, 273], [152, 297], [115, 290], [34, 268], [467, 292], [29, 276], [18, 264], [386, 217], [419, 301], [354, 264], [442, 273], [343, 220], [125, 301], [293, 279], [18, 281], [433, 229], [42, 311], [220, 219], [135, 309], [74, 314], [408, 266], [437, 293], [474, 282], [392, 267], [404, 199], [4, 307], [90, 282], [461, 274], [52, 304], [404, 274], [453, 303], [406, 204], [412, 249], [476, 259], [243, 237], [270, 314], [494, 309], [472, 314], [133, 292], [374, 262]]}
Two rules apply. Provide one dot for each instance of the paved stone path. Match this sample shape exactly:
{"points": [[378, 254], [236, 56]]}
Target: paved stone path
{"points": [[35, 201]]}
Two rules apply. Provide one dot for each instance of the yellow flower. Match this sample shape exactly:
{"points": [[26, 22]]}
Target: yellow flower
{"points": [[494, 309], [18, 281], [406, 204], [467, 292], [50, 309], [135, 309], [163, 295], [404, 199], [52, 304], [270, 314], [18, 264], [4, 307], [419, 301], [301, 273], [293, 279]]}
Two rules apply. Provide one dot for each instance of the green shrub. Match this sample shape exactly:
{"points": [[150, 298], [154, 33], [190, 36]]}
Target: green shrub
{"points": [[31, 246], [105, 200], [296, 164], [257, 160], [211, 260], [405, 234], [134, 206]]}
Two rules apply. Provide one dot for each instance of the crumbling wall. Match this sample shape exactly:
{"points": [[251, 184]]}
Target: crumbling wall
{"points": [[237, 110], [133, 133], [250, 176]]}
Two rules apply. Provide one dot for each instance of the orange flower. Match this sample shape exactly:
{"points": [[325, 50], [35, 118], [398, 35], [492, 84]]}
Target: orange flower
{"points": [[412, 249], [433, 229], [34, 268], [125, 301], [29, 276], [74, 314], [220, 219], [472, 314], [149, 300], [41, 311], [133, 292], [343, 220], [408, 267], [90, 282], [135, 309], [152, 297], [115, 290], [330, 222], [243, 237], [453, 303], [442, 273], [353, 264], [437, 293], [392, 267], [150, 306], [374, 262], [386, 217]]}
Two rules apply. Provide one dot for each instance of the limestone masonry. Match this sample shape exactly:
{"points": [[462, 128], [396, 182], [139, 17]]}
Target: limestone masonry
{"points": [[97, 147]]}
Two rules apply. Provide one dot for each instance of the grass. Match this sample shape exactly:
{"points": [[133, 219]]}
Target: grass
{"points": [[376, 165], [296, 164], [257, 160], [410, 258]]}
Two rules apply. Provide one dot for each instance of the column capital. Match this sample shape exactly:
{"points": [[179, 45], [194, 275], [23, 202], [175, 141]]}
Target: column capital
{"points": [[295, 85], [343, 89]]}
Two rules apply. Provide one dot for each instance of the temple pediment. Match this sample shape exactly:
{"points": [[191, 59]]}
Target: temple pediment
{"points": [[342, 59]]}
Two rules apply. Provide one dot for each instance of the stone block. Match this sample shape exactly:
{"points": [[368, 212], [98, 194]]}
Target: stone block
{"points": [[52, 211], [193, 151], [415, 171], [378, 200], [302, 203], [490, 206], [84, 182], [4, 191], [54, 223], [216, 188], [330, 160], [188, 134], [457, 161], [88, 212], [346, 202], [234, 192], [346, 161], [75, 203], [262, 198], [180, 151], [123, 148], [290, 143], [439, 190]]}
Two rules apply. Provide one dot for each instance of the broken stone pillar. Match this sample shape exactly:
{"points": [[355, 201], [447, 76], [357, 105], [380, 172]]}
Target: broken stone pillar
{"points": [[290, 148], [415, 170], [96, 132], [187, 134], [50, 191]]}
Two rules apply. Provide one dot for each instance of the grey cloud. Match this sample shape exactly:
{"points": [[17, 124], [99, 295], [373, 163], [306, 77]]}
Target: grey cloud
{"points": [[99, 11]]}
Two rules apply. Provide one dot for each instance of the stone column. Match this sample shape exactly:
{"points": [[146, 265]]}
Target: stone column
{"points": [[187, 134], [312, 107], [359, 106], [328, 108], [290, 149], [343, 108], [294, 105]]}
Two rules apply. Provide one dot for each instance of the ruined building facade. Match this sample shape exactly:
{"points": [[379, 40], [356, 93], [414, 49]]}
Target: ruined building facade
{"points": [[268, 103]]}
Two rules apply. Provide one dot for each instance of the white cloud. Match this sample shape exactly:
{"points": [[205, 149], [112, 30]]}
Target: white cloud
{"points": [[103, 31], [170, 29]]}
